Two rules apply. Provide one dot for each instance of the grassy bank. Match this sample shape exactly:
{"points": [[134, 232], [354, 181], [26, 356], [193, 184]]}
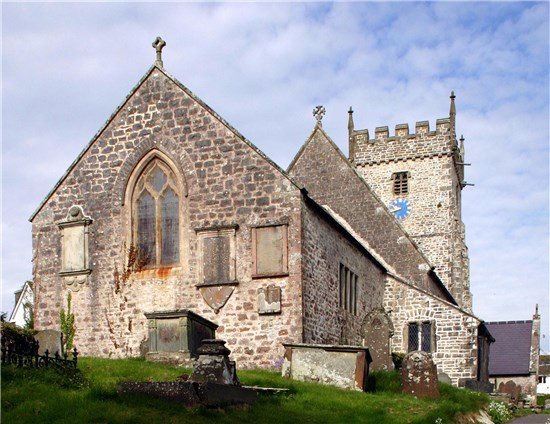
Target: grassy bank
{"points": [[30, 396]]}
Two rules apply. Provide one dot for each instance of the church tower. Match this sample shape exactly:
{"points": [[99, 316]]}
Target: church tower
{"points": [[420, 177]]}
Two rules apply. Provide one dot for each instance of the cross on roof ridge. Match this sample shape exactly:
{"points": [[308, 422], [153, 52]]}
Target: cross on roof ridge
{"points": [[159, 44]]}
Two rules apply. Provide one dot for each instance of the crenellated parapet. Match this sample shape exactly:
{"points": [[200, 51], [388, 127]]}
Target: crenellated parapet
{"points": [[404, 145]]}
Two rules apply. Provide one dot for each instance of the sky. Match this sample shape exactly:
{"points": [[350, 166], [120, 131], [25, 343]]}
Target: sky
{"points": [[264, 67]]}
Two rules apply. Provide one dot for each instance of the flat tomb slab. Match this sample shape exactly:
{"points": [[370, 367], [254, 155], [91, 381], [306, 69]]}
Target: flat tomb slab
{"points": [[191, 393]]}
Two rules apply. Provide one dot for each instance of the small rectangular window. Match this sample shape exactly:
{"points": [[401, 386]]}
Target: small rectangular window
{"points": [[400, 183], [421, 336], [348, 289], [342, 286]]}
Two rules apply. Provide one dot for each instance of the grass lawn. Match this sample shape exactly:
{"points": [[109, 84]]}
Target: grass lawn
{"points": [[89, 396]]}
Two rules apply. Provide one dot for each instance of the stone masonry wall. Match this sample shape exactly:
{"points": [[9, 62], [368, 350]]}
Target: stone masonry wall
{"points": [[428, 223], [456, 331], [434, 193], [330, 180], [229, 183], [324, 249]]}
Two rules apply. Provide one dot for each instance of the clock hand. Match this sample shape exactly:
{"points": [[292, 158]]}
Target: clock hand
{"points": [[395, 210]]}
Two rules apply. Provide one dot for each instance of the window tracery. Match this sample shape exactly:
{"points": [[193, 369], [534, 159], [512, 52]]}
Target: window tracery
{"points": [[156, 216]]}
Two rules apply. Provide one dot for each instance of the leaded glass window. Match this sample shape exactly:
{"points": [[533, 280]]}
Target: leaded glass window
{"points": [[169, 208], [146, 231], [156, 216], [413, 336], [426, 337], [421, 336]]}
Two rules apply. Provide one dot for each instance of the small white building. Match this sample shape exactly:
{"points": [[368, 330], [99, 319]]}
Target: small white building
{"points": [[24, 301], [543, 386]]}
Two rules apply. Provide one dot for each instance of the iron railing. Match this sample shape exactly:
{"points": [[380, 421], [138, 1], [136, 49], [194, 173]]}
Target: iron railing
{"points": [[25, 354]]}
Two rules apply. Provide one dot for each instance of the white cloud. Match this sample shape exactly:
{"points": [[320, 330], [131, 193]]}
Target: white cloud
{"points": [[263, 67]]}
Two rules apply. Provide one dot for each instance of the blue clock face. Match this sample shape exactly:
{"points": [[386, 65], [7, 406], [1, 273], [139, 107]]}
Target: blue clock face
{"points": [[401, 208]]}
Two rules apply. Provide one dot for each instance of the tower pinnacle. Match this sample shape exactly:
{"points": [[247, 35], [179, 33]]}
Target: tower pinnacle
{"points": [[351, 141]]}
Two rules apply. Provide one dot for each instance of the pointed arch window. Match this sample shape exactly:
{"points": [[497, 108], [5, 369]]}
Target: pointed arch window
{"points": [[156, 206]]}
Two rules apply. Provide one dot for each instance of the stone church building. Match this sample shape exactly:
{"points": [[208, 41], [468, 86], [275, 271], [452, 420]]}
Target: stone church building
{"points": [[170, 208]]}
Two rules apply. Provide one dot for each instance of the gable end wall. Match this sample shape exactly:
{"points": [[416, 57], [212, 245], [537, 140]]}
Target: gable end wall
{"points": [[229, 183]]}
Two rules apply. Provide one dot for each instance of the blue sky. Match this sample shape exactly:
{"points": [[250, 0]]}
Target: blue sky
{"points": [[264, 67]]}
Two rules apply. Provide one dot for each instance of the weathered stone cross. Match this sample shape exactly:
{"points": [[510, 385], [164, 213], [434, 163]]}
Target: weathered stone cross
{"points": [[318, 113], [159, 44]]}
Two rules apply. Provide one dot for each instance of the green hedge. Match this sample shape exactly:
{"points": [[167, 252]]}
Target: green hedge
{"points": [[23, 338]]}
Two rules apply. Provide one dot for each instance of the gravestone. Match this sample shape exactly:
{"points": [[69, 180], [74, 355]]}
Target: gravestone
{"points": [[444, 378], [511, 389], [49, 340], [476, 385], [376, 331], [419, 375], [213, 364]]}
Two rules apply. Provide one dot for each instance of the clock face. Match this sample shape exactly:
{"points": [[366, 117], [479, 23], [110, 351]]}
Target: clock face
{"points": [[401, 208]]}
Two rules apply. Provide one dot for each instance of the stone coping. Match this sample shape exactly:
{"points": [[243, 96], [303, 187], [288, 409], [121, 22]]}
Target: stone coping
{"points": [[330, 348], [180, 313]]}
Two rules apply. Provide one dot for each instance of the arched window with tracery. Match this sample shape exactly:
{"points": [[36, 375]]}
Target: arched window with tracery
{"points": [[156, 216]]}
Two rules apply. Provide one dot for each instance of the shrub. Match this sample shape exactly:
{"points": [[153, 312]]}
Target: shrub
{"points": [[22, 337], [67, 326], [541, 399], [499, 412], [397, 358]]}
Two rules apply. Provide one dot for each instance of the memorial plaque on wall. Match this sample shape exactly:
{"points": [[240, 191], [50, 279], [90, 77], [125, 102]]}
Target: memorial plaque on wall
{"points": [[216, 256], [217, 274], [74, 248], [269, 300], [269, 251]]}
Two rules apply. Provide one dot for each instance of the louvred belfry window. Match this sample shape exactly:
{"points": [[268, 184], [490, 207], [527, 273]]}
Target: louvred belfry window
{"points": [[400, 183], [156, 216]]}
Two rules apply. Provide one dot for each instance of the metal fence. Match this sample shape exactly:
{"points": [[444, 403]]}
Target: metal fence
{"points": [[25, 354]]}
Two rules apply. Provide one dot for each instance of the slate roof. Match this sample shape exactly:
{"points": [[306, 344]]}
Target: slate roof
{"points": [[510, 354]]}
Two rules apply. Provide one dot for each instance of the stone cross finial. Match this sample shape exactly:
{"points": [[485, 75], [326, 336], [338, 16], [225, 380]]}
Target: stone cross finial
{"points": [[159, 44], [318, 113]]}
